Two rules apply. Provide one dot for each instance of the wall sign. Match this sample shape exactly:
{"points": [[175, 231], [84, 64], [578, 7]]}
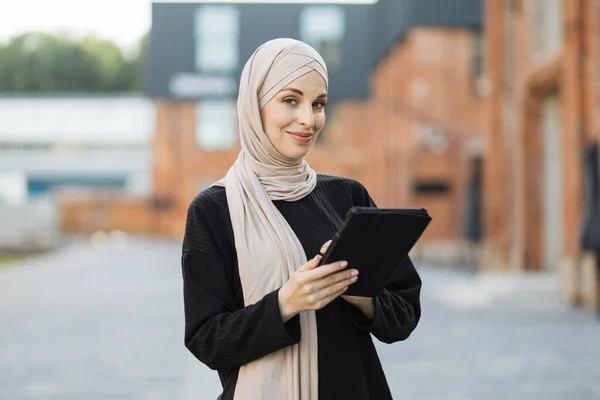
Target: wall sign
{"points": [[185, 85]]}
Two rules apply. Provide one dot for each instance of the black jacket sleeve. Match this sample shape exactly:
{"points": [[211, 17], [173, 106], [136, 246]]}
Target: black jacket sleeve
{"points": [[398, 307], [219, 330]]}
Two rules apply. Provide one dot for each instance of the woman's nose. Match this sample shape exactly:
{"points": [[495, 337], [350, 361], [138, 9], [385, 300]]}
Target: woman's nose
{"points": [[306, 117]]}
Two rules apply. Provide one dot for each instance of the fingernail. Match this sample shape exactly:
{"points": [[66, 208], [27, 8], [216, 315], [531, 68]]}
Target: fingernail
{"points": [[354, 273], [344, 264], [354, 279], [317, 257]]}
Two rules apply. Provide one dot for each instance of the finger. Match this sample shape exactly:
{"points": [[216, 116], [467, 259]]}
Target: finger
{"points": [[336, 287], [311, 264], [325, 270], [333, 296], [335, 278], [325, 247]]}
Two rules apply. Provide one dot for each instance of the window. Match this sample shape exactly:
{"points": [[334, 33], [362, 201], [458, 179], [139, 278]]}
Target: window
{"points": [[510, 47], [216, 125], [478, 53], [431, 137], [424, 187], [25, 147], [217, 38], [324, 27], [478, 65], [546, 27]]}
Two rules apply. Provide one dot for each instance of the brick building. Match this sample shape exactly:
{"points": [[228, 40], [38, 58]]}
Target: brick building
{"points": [[429, 120], [405, 115], [543, 68], [406, 139]]}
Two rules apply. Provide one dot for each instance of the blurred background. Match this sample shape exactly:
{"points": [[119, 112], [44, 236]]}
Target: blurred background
{"points": [[115, 114]]}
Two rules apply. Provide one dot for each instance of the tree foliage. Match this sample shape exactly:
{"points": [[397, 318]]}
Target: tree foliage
{"points": [[41, 62]]}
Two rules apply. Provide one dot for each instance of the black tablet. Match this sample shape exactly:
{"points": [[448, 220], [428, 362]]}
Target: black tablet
{"points": [[375, 241]]}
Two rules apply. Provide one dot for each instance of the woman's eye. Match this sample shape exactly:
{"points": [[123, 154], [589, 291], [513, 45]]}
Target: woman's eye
{"points": [[290, 101], [319, 105]]}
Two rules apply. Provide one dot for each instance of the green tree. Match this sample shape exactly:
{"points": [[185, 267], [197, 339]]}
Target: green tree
{"points": [[138, 66], [40, 62], [132, 74]]}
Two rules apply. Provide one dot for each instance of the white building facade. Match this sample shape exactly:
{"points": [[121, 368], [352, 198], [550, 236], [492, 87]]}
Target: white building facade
{"points": [[74, 143], [79, 143]]}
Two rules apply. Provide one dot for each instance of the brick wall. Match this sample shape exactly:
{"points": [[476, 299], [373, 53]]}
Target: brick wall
{"points": [[514, 188], [427, 82], [85, 215]]}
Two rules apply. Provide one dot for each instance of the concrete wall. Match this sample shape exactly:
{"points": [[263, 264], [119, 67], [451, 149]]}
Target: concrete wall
{"points": [[31, 226]]}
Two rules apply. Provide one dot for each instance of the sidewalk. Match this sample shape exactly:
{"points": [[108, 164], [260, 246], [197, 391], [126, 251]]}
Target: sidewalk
{"points": [[497, 336], [106, 323]]}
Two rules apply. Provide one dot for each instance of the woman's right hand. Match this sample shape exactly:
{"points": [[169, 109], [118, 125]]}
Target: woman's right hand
{"points": [[311, 288]]}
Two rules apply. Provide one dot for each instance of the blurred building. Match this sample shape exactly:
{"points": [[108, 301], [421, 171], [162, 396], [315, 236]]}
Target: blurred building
{"points": [[544, 71], [77, 146], [78, 142], [484, 128], [404, 113], [426, 120]]}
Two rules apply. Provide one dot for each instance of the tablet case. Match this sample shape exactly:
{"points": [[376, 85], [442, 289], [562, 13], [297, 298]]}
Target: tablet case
{"points": [[375, 242]]}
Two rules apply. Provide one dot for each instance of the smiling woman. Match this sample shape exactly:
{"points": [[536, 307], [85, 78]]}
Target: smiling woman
{"points": [[257, 308], [294, 117]]}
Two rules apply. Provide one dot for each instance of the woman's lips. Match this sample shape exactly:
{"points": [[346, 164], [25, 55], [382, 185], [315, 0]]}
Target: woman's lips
{"points": [[301, 136]]}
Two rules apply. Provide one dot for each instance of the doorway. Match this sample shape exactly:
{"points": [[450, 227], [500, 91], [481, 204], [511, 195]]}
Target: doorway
{"points": [[552, 183]]}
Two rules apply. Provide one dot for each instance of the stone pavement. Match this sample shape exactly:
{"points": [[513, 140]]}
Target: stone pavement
{"points": [[105, 322]]}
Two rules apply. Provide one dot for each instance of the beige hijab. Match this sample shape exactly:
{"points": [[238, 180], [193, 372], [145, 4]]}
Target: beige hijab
{"points": [[268, 250]]}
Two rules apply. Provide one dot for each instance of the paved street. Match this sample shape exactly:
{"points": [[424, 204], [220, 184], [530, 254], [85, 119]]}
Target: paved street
{"points": [[106, 323]]}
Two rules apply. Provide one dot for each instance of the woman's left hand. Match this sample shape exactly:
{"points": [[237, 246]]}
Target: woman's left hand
{"points": [[365, 304]]}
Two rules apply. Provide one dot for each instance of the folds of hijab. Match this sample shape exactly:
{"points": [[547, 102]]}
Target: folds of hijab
{"points": [[268, 250]]}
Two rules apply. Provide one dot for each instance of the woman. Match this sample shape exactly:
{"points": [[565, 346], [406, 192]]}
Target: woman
{"points": [[271, 323]]}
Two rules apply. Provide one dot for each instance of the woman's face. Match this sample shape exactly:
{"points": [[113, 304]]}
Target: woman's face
{"points": [[294, 117]]}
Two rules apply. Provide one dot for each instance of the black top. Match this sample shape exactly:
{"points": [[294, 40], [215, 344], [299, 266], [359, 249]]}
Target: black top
{"points": [[223, 334]]}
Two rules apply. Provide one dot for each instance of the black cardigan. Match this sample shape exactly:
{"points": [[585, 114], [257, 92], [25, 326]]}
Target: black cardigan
{"points": [[223, 334]]}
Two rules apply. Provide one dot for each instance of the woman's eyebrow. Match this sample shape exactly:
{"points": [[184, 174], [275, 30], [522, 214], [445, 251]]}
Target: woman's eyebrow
{"points": [[298, 91], [291, 89]]}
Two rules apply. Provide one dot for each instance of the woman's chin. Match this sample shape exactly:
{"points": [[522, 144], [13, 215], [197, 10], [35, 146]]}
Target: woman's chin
{"points": [[296, 152]]}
